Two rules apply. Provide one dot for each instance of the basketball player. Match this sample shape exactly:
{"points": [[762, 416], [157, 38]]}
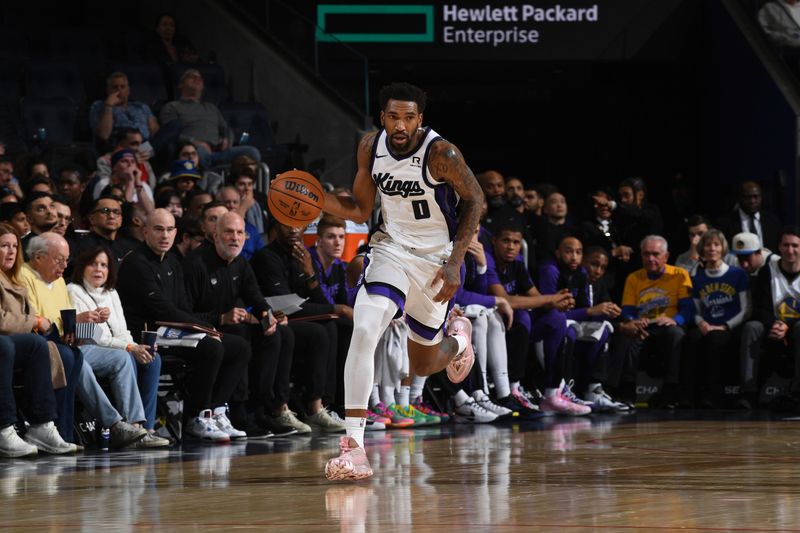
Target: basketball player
{"points": [[415, 258]]}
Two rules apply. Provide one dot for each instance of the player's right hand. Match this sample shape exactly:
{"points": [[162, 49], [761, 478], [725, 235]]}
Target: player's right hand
{"points": [[450, 277]]}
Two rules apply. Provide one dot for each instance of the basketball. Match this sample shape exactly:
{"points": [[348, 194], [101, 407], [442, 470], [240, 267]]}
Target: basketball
{"points": [[295, 198]]}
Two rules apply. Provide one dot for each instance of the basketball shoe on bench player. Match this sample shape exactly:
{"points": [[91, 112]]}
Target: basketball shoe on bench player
{"points": [[415, 258]]}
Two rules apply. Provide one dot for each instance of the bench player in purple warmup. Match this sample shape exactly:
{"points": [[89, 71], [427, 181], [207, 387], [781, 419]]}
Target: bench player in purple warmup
{"points": [[415, 258]]}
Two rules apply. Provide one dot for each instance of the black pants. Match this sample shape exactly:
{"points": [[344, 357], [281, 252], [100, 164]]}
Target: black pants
{"points": [[269, 373], [517, 344], [215, 370], [659, 354], [314, 363], [29, 354], [710, 359]]}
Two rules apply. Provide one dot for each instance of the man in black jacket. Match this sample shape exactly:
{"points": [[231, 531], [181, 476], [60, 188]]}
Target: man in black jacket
{"points": [[220, 281], [151, 287], [285, 267], [748, 216]]}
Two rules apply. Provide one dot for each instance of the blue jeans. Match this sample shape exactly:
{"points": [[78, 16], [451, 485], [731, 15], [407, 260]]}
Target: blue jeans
{"points": [[147, 376], [27, 352], [212, 159], [118, 367]]}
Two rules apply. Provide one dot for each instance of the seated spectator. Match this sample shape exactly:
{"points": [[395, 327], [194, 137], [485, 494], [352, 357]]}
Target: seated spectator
{"points": [[128, 139], [499, 211], [151, 283], [202, 123], [183, 177], [656, 306], [566, 273], [38, 183], [533, 202], [549, 324], [133, 220], [750, 256], [635, 216], [515, 194], [63, 218], [221, 282], [552, 227], [284, 267], [697, 225], [232, 199], [749, 216], [42, 276], [253, 204], [92, 288], [722, 304], [105, 221], [167, 47], [188, 237], [117, 112], [210, 180], [126, 175], [208, 219], [71, 184], [167, 198], [197, 201], [12, 214], [779, 20], [41, 211], [7, 179], [776, 305], [20, 349], [602, 230]]}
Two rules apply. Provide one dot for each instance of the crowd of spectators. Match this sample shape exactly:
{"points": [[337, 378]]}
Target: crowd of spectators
{"points": [[170, 227]]}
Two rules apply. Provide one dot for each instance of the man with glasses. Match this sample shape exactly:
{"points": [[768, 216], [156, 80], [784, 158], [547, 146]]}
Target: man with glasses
{"points": [[105, 220], [63, 217], [41, 211], [152, 288]]}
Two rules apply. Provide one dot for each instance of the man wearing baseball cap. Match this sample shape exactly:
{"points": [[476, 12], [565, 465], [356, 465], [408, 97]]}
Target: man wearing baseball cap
{"points": [[748, 251], [125, 173]]}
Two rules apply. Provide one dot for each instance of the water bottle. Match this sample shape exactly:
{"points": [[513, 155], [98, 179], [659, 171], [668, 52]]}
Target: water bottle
{"points": [[104, 441], [244, 138]]}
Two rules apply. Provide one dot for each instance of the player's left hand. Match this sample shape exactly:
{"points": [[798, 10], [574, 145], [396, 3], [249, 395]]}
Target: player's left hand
{"points": [[449, 276]]}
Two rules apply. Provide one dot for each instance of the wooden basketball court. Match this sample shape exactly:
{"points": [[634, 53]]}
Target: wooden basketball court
{"points": [[648, 471]]}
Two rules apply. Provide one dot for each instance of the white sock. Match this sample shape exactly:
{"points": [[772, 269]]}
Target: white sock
{"points": [[355, 428], [515, 386], [501, 386], [387, 395], [550, 392], [403, 394], [417, 386], [460, 398], [592, 387], [462, 342]]}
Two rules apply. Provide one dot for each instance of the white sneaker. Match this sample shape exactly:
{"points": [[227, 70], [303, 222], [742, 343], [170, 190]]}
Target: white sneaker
{"points": [[482, 399], [11, 445], [601, 401], [471, 413], [289, 418], [323, 420], [151, 440], [224, 424], [46, 438], [566, 391], [204, 427]]}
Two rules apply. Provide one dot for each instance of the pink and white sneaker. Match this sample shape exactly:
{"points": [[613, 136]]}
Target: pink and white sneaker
{"points": [[561, 404], [458, 369], [351, 464]]}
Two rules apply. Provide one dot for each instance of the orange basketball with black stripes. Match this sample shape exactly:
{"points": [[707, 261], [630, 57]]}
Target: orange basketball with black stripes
{"points": [[295, 198]]}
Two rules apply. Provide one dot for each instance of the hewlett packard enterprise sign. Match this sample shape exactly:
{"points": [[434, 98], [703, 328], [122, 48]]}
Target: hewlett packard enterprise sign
{"points": [[570, 29]]}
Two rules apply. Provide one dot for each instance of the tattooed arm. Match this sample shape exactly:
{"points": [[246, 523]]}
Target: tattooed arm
{"points": [[358, 208], [447, 164]]}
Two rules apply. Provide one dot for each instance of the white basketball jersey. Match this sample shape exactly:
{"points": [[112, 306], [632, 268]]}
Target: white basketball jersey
{"points": [[416, 211], [785, 295]]}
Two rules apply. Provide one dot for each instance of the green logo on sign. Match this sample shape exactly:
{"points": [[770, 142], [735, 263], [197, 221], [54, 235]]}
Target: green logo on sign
{"points": [[376, 12]]}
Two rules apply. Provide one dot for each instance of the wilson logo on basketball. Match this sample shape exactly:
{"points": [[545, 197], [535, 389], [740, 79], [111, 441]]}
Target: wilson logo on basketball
{"points": [[394, 187], [301, 189]]}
